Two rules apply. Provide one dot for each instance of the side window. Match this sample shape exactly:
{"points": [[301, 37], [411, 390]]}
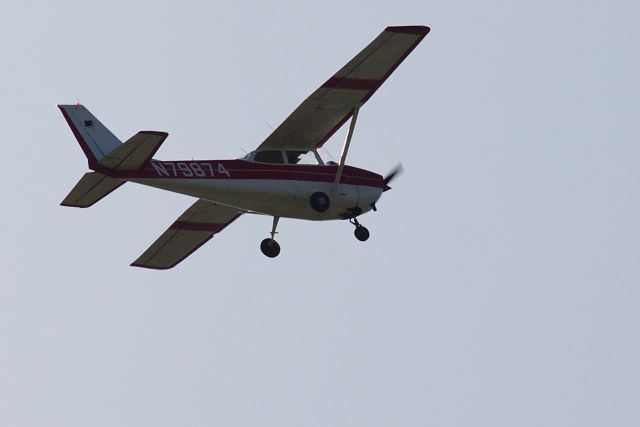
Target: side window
{"points": [[293, 157], [302, 158], [270, 156]]}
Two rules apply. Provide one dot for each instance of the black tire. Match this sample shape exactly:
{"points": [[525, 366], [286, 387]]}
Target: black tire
{"points": [[319, 202], [270, 248], [361, 233]]}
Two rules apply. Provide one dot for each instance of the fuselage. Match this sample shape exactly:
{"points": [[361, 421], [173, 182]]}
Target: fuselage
{"points": [[281, 190]]}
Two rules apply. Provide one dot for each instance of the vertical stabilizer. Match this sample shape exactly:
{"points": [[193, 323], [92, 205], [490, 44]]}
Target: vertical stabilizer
{"points": [[94, 138]]}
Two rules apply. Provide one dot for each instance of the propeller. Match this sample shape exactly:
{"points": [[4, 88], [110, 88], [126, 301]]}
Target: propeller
{"points": [[392, 175]]}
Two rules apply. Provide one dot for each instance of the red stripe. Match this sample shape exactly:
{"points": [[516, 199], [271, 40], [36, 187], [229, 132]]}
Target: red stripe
{"points": [[152, 267], [239, 169], [353, 84], [309, 177], [234, 166], [265, 175], [421, 32]]}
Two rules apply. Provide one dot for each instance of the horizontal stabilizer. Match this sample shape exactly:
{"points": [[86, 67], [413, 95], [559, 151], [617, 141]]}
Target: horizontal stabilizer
{"points": [[136, 152], [92, 187]]}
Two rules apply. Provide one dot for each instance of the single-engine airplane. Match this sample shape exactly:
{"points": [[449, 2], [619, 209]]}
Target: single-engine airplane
{"points": [[270, 180]]}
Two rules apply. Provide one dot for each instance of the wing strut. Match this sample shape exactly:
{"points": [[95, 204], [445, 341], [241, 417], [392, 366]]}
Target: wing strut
{"points": [[345, 150]]}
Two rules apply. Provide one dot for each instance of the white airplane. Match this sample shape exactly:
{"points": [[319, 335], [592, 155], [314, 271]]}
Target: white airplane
{"points": [[269, 180]]}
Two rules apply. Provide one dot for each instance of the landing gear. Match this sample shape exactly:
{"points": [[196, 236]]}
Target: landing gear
{"points": [[269, 246], [361, 231], [319, 201]]}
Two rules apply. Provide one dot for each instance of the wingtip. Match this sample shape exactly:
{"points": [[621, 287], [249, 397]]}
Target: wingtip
{"points": [[409, 29], [149, 267], [69, 205], [155, 132]]}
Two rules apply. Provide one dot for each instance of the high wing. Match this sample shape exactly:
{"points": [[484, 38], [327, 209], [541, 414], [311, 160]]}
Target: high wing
{"points": [[331, 105], [191, 230]]}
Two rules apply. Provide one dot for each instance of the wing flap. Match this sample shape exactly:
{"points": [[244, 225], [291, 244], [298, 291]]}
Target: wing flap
{"points": [[192, 229]]}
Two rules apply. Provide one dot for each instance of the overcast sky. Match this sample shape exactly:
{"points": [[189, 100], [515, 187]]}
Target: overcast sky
{"points": [[500, 284]]}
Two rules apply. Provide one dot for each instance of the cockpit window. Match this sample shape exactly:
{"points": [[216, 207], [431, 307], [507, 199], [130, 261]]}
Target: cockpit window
{"points": [[293, 157], [269, 156]]}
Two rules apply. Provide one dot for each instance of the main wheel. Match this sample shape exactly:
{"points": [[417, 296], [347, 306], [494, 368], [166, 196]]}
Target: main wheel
{"points": [[270, 248], [319, 201], [361, 233]]}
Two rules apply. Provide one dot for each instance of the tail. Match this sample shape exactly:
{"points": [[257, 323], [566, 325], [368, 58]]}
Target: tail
{"points": [[94, 138], [106, 155]]}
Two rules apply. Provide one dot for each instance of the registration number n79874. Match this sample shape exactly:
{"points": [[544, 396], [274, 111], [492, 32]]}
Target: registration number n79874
{"points": [[190, 169]]}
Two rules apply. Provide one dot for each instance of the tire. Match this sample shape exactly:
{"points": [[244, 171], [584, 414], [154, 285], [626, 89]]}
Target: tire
{"points": [[319, 202], [270, 248], [361, 233]]}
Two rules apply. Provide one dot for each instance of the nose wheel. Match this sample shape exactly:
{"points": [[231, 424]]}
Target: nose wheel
{"points": [[361, 232], [269, 246]]}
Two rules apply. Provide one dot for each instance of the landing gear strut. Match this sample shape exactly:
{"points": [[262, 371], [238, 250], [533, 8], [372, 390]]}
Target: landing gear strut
{"points": [[269, 246], [361, 231]]}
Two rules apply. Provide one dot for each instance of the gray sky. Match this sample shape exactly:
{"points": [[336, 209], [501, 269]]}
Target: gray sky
{"points": [[500, 284]]}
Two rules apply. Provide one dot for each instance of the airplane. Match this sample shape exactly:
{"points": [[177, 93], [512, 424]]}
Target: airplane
{"points": [[271, 180]]}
